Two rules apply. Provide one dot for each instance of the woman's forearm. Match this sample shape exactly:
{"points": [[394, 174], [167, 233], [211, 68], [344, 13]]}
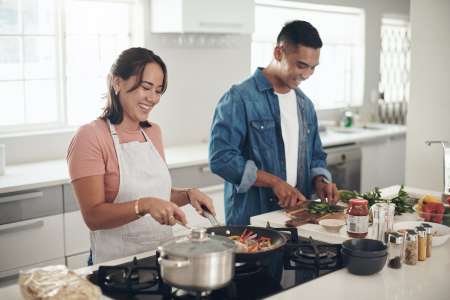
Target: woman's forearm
{"points": [[180, 196], [110, 215]]}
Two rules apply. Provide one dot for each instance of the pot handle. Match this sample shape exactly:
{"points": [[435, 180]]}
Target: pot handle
{"points": [[167, 263]]}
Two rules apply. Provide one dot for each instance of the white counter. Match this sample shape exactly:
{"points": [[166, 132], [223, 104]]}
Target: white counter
{"points": [[50, 173], [426, 280]]}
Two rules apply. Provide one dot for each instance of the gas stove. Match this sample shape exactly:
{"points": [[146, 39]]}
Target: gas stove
{"points": [[302, 259]]}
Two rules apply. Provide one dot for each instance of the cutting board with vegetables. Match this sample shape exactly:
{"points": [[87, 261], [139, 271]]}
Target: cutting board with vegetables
{"points": [[312, 213]]}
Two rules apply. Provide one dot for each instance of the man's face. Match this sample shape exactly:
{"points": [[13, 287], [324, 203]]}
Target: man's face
{"points": [[296, 63]]}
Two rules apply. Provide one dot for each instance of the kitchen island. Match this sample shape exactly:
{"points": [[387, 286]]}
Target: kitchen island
{"points": [[426, 280]]}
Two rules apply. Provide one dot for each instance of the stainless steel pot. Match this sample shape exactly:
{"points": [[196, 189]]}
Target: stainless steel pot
{"points": [[197, 262]]}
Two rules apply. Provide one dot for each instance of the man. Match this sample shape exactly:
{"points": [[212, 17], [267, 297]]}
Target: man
{"points": [[264, 137]]}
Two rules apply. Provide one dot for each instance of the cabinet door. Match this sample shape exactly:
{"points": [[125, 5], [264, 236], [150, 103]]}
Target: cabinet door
{"points": [[30, 242], [76, 234], [383, 163]]}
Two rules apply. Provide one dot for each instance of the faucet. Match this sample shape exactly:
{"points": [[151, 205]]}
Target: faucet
{"points": [[446, 148]]}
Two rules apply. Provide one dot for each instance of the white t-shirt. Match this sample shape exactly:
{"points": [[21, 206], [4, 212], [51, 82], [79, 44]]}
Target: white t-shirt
{"points": [[289, 130]]}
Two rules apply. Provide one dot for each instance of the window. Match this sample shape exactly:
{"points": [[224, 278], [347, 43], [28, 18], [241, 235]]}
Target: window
{"points": [[339, 79], [54, 58], [394, 69]]}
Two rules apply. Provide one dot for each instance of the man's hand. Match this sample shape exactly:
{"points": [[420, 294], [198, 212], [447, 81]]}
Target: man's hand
{"points": [[326, 190], [288, 196]]}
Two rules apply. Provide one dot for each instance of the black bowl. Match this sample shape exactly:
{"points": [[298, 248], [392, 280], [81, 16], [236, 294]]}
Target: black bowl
{"points": [[363, 265], [348, 252], [364, 247]]}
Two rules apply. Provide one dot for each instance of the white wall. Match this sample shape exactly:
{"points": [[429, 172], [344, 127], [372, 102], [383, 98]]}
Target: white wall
{"points": [[198, 76], [429, 110]]}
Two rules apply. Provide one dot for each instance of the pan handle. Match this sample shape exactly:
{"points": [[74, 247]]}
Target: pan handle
{"points": [[212, 219], [293, 232]]}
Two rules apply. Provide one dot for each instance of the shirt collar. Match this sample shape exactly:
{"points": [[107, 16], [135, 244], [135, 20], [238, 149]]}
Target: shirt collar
{"points": [[262, 83]]}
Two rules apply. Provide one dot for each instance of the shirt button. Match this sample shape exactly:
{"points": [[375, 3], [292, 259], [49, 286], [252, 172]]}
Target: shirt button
{"points": [[262, 127], [271, 199]]}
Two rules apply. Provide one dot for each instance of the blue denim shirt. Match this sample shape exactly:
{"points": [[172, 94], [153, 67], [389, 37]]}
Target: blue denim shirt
{"points": [[246, 137]]}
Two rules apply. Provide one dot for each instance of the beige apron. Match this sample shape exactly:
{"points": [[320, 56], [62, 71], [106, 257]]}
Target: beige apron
{"points": [[143, 173]]}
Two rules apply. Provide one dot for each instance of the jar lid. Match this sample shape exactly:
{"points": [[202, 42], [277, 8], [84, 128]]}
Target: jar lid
{"points": [[358, 201], [197, 243], [395, 238]]}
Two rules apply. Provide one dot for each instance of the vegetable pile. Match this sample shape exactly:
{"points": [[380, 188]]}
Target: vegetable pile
{"points": [[403, 202]]}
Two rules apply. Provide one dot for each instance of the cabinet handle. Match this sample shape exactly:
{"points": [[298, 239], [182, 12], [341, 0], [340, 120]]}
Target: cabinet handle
{"points": [[21, 227], [21, 197]]}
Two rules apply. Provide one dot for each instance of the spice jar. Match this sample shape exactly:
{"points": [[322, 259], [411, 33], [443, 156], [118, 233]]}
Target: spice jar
{"points": [[395, 250], [422, 248], [357, 218], [428, 229], [411, 247]]}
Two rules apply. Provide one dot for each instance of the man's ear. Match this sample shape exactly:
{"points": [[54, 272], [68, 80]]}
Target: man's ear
{"points": [[278, 53]]}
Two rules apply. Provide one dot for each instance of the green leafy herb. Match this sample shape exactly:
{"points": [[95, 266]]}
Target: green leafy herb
{"points": [[403, 202]]}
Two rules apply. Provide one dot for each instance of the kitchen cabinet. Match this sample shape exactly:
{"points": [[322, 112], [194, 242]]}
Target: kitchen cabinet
{"points": [[383, 162], [31, 229], [202, 16]]}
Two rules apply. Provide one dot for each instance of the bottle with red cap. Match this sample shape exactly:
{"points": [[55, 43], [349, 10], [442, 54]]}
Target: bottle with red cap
{"points": [[357, 218]]}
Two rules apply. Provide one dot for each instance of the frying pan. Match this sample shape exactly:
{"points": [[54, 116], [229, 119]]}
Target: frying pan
{"points": [[277, 239]]}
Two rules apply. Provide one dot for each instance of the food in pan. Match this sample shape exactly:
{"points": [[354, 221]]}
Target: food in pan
{"points": [[250, 242]]}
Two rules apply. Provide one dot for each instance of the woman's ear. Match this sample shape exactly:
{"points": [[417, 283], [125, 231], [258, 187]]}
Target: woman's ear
{"points": [[116, 84]]}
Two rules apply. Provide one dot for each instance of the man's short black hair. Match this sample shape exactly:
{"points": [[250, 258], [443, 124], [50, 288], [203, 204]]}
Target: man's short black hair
{"points": [[296, 33]]}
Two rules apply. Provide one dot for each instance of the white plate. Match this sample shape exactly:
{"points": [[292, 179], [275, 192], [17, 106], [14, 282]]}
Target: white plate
{"points": [[441, 232]]}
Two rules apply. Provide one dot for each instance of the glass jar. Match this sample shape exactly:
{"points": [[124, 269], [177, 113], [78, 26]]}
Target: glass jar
{"points": [[357, 218], [411, 247], [428, 229], [422, 243], [395, 250]]}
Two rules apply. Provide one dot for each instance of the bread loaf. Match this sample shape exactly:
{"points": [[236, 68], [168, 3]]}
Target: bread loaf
{"points": [[56, 282]]}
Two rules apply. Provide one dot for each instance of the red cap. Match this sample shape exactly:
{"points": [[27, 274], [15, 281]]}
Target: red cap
{"points": [[358, 201]]}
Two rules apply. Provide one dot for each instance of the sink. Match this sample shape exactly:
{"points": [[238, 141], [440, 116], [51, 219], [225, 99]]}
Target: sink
{"points": [[355, 129]]}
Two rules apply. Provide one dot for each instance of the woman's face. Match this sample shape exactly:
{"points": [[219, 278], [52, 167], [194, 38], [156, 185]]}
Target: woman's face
{"points": [[138, 103]]}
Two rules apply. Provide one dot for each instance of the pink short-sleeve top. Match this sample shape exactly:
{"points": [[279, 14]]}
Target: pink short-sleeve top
{"points": [[91, 152]]}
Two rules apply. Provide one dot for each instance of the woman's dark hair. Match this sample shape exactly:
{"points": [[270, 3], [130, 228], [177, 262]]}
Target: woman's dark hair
{"points": [[129, 63], [298, 33]]}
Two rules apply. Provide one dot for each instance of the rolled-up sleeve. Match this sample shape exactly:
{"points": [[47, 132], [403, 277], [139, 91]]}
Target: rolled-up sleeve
{"points": [[228, 133], [319, 157]]}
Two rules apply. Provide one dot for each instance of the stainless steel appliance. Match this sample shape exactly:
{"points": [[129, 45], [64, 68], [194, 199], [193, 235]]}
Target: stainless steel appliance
{"points": [[301, 260], [344, 163]]}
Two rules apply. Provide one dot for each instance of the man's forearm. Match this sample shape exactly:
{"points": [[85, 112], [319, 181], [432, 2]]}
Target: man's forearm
{"points": [[265, 179]]}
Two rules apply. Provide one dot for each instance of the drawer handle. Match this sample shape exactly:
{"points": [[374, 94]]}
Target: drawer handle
{"points": [[21, 197], [21, 227]]}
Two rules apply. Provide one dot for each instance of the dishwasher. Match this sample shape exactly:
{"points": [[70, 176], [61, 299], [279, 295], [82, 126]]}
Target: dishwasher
{"points": [[344, 163]]}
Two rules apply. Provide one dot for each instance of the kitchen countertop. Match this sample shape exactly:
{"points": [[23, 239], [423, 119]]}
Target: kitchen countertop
{"points": [[51, 173], [426, 280]]}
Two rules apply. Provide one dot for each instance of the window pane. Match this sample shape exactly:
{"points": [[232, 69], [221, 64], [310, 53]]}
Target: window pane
{"points": [[12, 103], [341, 29], [85, 99], [40, 57], [9, 17], [82, 56], [41, 101], [10, 58], [39, 16]]}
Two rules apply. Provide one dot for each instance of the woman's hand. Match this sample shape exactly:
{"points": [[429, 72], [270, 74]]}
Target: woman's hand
{"points": [[199, 199], [165, 212]]}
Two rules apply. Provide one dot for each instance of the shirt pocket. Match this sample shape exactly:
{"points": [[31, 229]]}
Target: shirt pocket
{"points": [[263, 133]]}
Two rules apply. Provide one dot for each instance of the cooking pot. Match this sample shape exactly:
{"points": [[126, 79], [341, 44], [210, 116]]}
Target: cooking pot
{"points": [[197, 262]]}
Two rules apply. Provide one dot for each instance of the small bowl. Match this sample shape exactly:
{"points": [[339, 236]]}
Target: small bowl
{"points": [[364, 248], [363, 265], [332, 225]]}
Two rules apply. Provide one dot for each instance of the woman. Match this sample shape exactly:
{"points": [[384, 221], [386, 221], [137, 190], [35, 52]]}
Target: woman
{"points": [[117, 167]]}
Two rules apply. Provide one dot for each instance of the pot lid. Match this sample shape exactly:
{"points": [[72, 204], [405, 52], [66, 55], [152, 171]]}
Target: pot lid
{"points": [[197, 243]]}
